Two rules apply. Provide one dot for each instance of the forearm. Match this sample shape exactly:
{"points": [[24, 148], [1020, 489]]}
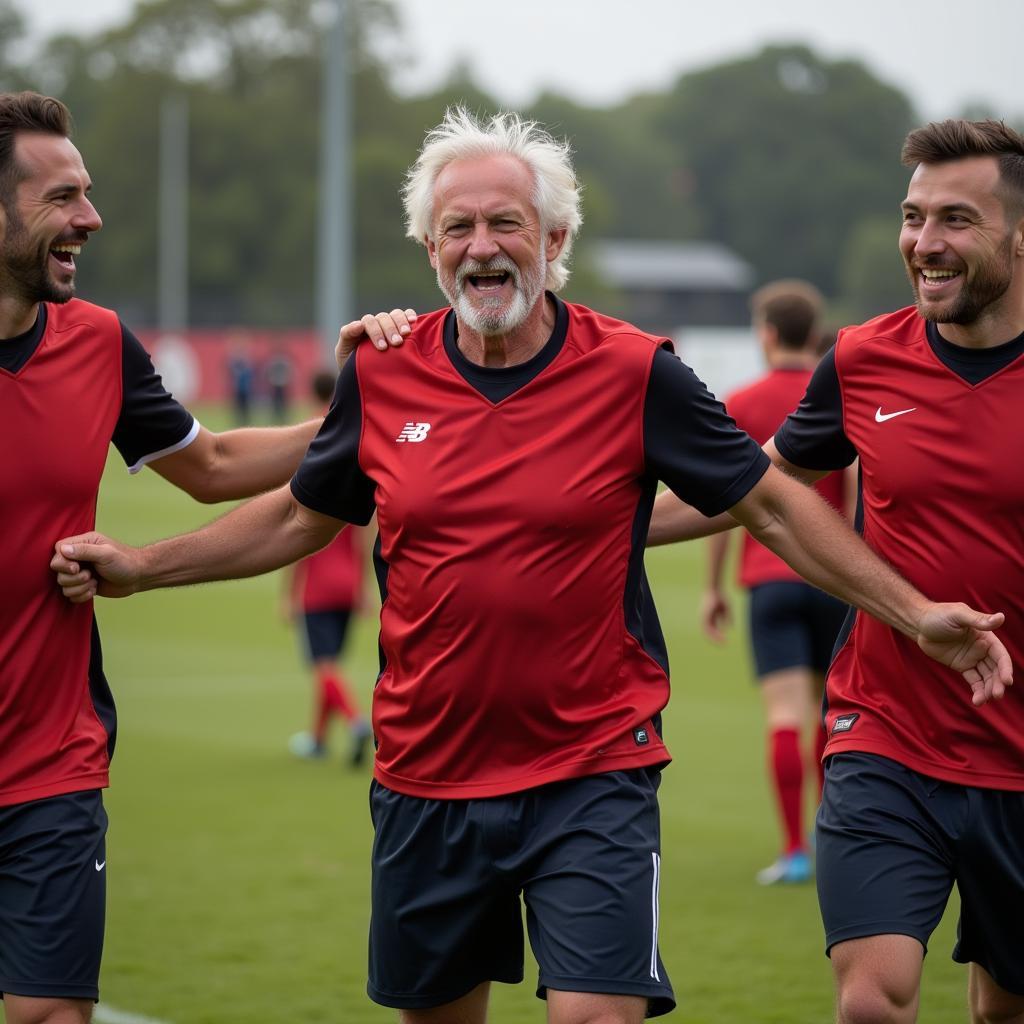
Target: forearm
{"points": [[264, 534], [251, 460], [673, 520], [801, 528]]}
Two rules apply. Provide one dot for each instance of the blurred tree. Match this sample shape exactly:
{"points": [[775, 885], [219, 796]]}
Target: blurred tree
{"points": [[12, 31], [787, 152]]}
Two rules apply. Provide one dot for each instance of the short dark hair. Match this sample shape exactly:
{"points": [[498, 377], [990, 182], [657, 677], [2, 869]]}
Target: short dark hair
{"points": [[956, 139], [26, 112], [793, 308], [322, 384]]}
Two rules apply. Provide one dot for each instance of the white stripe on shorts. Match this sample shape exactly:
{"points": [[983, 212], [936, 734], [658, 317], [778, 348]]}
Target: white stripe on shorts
{"points": [[655, 886]]}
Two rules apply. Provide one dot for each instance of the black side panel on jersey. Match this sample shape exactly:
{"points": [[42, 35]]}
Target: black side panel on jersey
{"points": [[151, 418], [641, 615], [99, 690], [692, 444], [330, 480], [812, 436]]}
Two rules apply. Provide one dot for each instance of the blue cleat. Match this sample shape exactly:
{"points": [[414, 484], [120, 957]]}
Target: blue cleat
{"points": [[790, 869]]}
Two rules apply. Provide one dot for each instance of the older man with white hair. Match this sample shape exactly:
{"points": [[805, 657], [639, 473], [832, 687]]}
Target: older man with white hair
{"points": [[512, 448]]}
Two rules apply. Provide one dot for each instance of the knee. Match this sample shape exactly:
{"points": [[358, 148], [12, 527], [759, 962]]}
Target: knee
{"points": [[867, 1003]]}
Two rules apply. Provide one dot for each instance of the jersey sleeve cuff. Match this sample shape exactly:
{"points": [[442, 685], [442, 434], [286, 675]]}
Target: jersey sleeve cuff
{"points": [[193, 433]]}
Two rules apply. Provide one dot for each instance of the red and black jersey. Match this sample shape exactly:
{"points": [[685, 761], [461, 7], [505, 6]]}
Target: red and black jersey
{"points": [[332, 578], [68, 386], [759, 408], [937, 430], [519, 641]]}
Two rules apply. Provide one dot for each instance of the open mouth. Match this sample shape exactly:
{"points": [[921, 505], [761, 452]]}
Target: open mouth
{"points": [[65, 254], [487, 282], [936, 278]]}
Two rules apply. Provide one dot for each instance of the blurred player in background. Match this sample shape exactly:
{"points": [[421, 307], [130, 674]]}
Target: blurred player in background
{"points": [[792, 624], [322, 593]]}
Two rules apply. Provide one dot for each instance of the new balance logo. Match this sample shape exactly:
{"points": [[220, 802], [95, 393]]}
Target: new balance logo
{"points": [[413, 432]]}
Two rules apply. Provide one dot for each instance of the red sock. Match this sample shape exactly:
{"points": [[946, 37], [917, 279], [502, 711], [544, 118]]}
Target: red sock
{"points": [[820, 739], [787, 770], [334, 691]]}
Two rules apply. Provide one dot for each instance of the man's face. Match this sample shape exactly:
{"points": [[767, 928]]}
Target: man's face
{"points": [[489, 249], [47, 220], [958, 249]]}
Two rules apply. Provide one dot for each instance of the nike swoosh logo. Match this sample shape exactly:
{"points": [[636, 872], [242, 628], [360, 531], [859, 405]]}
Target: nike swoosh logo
{"points": [[881, 417], [100, 865]]}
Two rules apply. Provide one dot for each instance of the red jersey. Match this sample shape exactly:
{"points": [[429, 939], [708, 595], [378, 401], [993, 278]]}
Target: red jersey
{"points": [[943, 502], [59, 409], [332, 578], [759, 408], [520, 644]]}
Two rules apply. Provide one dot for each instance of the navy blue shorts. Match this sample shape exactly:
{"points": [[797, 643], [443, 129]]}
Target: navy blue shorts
{"points": [[53, 896], [892, 842], [448, 874], [325, 632], [793, 625]]}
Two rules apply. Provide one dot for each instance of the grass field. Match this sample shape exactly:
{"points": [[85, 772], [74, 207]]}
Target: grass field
{"points": [[238, 876]]}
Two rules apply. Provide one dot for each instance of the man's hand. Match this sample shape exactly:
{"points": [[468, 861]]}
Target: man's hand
{"points": [[715, 614], [92, 564], [963, 639], [383, 330]]}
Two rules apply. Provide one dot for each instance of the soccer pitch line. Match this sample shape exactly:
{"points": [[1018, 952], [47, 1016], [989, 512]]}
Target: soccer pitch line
{"points": [[104, 1013]]}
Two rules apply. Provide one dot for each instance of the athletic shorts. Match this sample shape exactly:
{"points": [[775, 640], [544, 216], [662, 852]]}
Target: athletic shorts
{"points": [[52, 896], [793, 625], [447, 877], [325, 632], [892, 842]]}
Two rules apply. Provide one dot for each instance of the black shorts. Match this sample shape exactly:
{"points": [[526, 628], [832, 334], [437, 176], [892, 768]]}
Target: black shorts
{"points": [[447, 876], [793, 625], [325, 632], [892, 842], [53, 896]]}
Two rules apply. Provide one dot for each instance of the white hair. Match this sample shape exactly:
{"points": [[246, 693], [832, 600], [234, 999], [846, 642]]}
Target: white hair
{"points": [[556, 192]]}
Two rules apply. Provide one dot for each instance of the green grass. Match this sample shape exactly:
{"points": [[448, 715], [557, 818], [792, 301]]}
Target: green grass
{"points": [[238, 878]]}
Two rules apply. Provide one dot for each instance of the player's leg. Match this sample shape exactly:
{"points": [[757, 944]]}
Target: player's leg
{"points": [[30, 1010], [592, 862], [594, 1008], [991, 1003], [470, 1009], [52, 904], [446, 920], [878, 979], [990, 877], [885, 871], [782, 647]]}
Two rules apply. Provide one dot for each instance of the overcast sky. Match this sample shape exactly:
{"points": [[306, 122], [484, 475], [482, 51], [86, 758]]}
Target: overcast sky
{"points": [[942, 54]]}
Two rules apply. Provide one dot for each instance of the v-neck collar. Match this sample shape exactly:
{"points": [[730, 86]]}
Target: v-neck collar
{"points": [[16, 352]]}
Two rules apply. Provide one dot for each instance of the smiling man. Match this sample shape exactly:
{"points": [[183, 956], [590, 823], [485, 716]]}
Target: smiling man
{"points": [[72, 379], [512, 449], [917, 796]]}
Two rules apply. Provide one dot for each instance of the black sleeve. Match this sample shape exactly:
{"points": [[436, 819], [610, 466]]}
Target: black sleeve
{"points": [[151, 423], [330, 480], [812, 436], [692, 444]]}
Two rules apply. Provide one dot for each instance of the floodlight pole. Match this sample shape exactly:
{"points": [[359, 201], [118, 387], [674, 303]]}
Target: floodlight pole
{"points": [[172, 259], [334, 285]]}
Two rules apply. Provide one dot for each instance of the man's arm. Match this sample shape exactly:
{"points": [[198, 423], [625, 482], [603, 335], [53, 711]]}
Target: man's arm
{"points": [[801, 528], [263, 534], [237, 463], [715, 612], [673, 520]]}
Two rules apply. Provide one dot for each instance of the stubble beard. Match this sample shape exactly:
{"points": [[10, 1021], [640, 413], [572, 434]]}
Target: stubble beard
{"points": [[26, 267], [987, 285]]}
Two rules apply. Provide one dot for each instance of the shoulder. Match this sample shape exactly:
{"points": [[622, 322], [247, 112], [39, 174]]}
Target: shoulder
{"points": [[424, 341], [904, 327], [589, 330], [61, 316]]}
